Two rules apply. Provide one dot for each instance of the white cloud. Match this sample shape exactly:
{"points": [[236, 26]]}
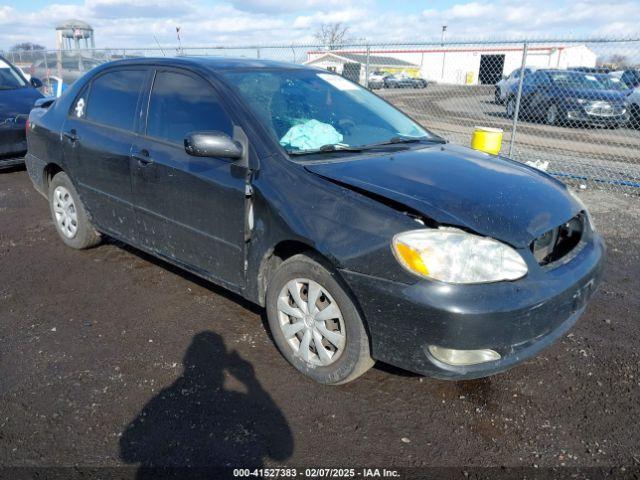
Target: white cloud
{"points": [[133, 23], [469, 10], [289, 6]]}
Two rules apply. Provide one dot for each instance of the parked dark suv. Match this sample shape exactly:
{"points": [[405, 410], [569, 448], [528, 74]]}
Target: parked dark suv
{"points": [[17, 97], [364, 235], [566, 97]]}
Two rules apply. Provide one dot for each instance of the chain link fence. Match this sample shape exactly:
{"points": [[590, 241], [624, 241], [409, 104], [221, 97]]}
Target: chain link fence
{"points": [[569, 106]]}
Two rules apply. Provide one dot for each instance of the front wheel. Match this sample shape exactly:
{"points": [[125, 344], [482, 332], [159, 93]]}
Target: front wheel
{"points": [[315, 322], [69, 215], [552, 117]]}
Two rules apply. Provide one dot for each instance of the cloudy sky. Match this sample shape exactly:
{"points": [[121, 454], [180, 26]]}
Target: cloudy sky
{"points": [[119, 23]]}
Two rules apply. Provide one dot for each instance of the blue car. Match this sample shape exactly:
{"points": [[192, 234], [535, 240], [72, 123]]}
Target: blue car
{"points": [[564, 97], [17, 97]]}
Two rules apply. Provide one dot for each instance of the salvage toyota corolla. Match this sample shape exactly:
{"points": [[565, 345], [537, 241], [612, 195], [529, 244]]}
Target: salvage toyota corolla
{"points": [[364, 235]]}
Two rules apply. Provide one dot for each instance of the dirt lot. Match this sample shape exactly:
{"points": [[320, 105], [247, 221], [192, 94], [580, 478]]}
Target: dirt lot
{"points": [[109, 357], [453, 112]]}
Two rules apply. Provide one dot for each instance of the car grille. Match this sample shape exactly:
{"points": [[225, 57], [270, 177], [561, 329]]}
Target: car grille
{"points": [[558, 242], [605, 109]]}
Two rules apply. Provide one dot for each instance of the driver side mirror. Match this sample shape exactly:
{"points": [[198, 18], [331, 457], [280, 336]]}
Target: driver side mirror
{"points": [[35, 82], [212, 144]]}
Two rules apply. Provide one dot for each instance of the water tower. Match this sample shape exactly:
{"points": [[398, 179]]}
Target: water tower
{"points": [[74, 44], [74, 35]]}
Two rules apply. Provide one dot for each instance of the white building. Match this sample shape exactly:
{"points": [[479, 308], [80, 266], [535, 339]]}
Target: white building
{"points": [[353, 65], [459, 64]]}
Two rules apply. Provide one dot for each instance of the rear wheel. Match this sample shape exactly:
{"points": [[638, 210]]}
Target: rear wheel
{"points": [[315, 322], [69, 215]]}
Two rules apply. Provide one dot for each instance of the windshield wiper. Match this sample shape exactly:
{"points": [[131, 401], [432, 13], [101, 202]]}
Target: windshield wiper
{"points": [[329, 148], [400, 139]]}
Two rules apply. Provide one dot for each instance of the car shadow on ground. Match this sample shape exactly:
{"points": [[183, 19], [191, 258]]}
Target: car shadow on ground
{"points": [[204, 419]]}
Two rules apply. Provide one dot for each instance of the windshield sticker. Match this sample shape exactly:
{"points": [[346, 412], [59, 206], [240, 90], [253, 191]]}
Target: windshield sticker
{"points": [[337, 81], [80, 108]]}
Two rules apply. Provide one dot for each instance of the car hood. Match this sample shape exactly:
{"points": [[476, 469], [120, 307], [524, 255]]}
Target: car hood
{"points": [[453, 185], [17, 102]]}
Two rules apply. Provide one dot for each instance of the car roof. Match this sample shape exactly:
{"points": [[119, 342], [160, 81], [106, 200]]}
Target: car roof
{"points": [[559, 70], [208, 62]]}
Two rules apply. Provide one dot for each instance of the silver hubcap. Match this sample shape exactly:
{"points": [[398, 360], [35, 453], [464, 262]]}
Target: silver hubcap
{"points": [[65, 212], [311, 322], [511, 108], [552, 113]]}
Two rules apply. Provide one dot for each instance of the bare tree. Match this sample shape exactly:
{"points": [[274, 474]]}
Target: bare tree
{"points": [[332, 35], [615, 61], [26, 46]]}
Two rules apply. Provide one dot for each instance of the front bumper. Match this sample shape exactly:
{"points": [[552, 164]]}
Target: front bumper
{"points": [[516, 319], [617, 116]]}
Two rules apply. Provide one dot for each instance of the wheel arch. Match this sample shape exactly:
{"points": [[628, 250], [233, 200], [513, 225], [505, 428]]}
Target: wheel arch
{"points": [[275, 256], [48, 172], [286, 249]]}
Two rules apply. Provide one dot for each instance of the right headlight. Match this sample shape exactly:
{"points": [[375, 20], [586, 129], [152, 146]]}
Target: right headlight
{"points": [[454, 256], [583, 207]]}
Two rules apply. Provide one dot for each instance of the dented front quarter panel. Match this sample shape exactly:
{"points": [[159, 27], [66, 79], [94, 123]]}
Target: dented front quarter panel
{"points": [[489, 195], [352, 231]]}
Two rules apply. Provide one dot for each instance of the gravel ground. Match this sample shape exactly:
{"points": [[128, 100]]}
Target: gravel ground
{"points": [[109, 357], [603, 156]]}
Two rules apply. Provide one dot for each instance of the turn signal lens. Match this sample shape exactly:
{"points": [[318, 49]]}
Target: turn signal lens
{"points": [[412, 259]]}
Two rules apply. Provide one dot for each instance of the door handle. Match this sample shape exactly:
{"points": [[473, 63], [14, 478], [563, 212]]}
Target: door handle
{"points": [[142, 157], [72, 135]]}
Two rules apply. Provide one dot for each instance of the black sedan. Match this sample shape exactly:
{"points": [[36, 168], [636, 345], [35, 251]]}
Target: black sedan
{"points": [[364, 235], [565, 97], [17, 97]]}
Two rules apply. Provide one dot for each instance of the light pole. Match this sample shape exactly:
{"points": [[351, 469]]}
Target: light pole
{"points": [[444, 54]]}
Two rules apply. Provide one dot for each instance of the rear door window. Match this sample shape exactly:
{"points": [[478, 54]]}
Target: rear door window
{"points": [[180, 104], [113, 98]]}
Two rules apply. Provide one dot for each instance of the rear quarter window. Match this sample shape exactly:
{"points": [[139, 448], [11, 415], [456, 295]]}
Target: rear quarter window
{"points": [[113, 98]]}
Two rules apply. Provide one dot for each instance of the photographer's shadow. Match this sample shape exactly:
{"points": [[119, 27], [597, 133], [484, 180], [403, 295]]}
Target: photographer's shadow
{"points": [[196, 422]]}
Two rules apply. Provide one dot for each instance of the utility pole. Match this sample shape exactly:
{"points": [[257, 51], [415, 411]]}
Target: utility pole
{"points": [[444, 54]]}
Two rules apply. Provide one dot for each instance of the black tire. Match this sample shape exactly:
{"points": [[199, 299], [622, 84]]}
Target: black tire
{"points": [[553, 116], [355, 357], [85, 235]]}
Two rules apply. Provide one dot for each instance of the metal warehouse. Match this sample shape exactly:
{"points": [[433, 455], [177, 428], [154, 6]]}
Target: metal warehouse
{"points": [[456, 65]]}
